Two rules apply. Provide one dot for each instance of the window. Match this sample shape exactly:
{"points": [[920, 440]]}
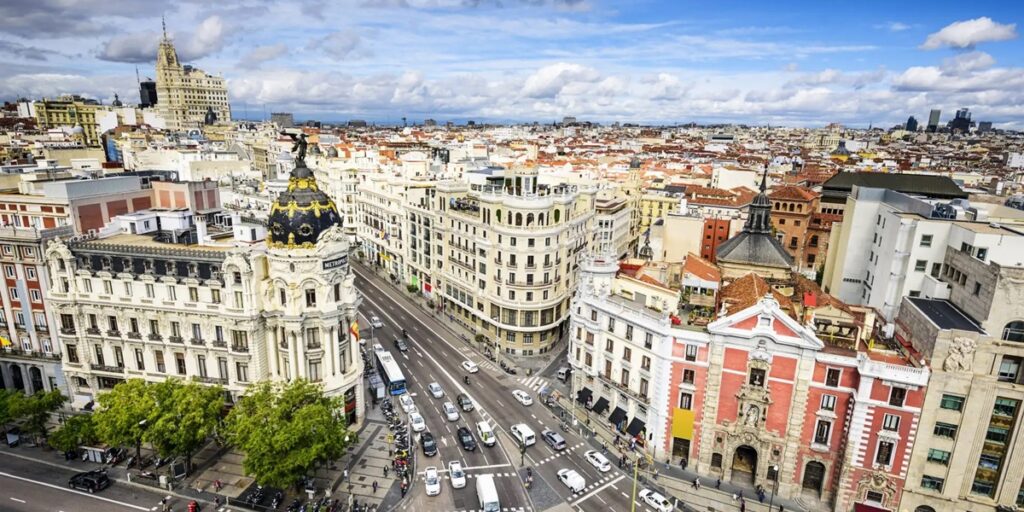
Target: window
{"points": [[627, 354], [314, 371], [201, 365], [757, 377], [625, 377], [179, 360], [9, 270], [35, 295], [238, 300], [215, 296], [977, 289], [218, 334], [931, 482], [193, 294], [648, 340], [1009, 369], [609, 346], [688, 376], [645, 363], [112, 324], [891, 422], [938, 456], [832, 377], [242, 372], [310, 298], [197, 332], [240, 341], [920, 265], [118, 357], [160, 366], [108, 287], [149, 291], [952, 402], [72, 351], [897, 396], [686, 401], [222, 368], [691, 353], [629, 332], [643, 387], [926, 240], [154, 327], [140, 360], [593, 315], [13, 292], [828, 402], [885, 450], [822, 432], [172, 292], [945, 430], [176, 329]]}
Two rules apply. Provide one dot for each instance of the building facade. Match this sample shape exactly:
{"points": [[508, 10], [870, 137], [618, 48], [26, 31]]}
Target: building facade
{"points": [[73, 112], [185, 93]]}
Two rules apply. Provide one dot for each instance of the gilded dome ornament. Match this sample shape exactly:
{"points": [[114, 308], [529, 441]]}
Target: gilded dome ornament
{"points": [[302, 212]]}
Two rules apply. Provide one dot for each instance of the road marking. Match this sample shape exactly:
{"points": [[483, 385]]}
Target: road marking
{"points": [[595, 491], [499, 403], [16, 499], [405, 355], [73, 491]]}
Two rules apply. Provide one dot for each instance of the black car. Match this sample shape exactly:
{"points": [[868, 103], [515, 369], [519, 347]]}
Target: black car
{"points": [[464, 402], [466, 439], [429, 444], [90, 481], [401, 344]]}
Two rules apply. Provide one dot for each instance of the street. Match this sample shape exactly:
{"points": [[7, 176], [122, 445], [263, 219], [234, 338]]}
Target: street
{"points": [[435, 355]]}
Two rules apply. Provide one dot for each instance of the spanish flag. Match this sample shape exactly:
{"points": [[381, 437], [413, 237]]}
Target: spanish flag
{"points": [[4, 342], [354, 328]]}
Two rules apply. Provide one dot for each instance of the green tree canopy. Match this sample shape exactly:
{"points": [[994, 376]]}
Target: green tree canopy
{"points": [[36, 410], [286, 430], [124, 413], [75, 432], [190, 416], [8, 406]]}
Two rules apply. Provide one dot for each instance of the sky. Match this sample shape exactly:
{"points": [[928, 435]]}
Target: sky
{"points": [[794, 63]]}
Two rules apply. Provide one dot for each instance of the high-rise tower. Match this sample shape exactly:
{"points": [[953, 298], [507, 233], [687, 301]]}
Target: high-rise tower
{"points": [[186, 93]]}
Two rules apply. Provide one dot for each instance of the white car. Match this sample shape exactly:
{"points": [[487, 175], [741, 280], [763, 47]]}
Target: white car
{"points": [[598, 461], [522, 396], [656, 501], [407, 404], [470, 366], [457, 475], [376, 323], [572, 480], [435, 390], [417, 422], [432, 481], [450, 411]]}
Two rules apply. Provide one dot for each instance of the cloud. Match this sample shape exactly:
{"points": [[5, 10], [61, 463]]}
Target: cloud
{"points": [[257, 56], [967, 62], [340, 45], [548, 81], [40, 19], [893, 26], [26, 52], [140, 47], [966, 34]]}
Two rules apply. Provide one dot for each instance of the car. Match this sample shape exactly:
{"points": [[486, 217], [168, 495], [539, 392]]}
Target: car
{"points": [[598, 461], [401, 344], [522, 396], [450, 411], [417, 422], [90, 481], [408, 405], [553, 439], [464, 402], [432, 481], [435, 390], [572, 480], [470, 366], [457, 475], [376, 323], [429, 444], [466, 439], [656, 501]]}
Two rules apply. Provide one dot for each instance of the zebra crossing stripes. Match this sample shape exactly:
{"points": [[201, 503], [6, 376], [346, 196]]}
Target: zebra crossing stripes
{"points": [[534, 383], [558, 454], [597, 483]]}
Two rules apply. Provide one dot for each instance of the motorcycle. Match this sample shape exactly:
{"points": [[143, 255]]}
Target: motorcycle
{"points": [[294, 507], [276, 502]]}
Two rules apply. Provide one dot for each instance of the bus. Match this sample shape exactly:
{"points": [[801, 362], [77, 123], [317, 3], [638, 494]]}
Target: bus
{"points": [[388, 369]]}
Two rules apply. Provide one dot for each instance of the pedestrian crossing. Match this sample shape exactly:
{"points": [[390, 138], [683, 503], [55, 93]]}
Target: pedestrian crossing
{"points": [[420, 476], [534, 383], [506, 509], [597, 483], [560, 453]]}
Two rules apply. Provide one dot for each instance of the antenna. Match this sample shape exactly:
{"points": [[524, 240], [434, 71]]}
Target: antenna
{"points": [[163, 23], [138, 81]]}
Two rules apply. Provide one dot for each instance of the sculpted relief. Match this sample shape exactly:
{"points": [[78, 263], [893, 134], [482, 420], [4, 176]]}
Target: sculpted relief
{"points": [[961, 355]]}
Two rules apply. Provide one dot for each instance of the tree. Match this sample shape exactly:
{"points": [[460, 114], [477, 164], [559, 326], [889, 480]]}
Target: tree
{"points": [[36, 411], [8, 401], [124, 413], [76, 431], [190, 416], [286, 430]]}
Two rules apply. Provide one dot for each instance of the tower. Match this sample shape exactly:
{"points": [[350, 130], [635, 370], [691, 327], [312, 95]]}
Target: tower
{"points": [[169, 78]]}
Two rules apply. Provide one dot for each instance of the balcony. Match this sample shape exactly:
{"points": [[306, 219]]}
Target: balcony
{"points": [[176, 339], [70, 331], [210, 380], [153, 336], [314, 346], [197, 342], [220, 344], [114, 333], [135, 335], [95, 331], [108, 369], [29, 354], [240, 348]]}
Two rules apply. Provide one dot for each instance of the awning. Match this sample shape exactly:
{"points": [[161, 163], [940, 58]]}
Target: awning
{"points": [[636, 427], [601, 406], [618, 416], [584, 395]]}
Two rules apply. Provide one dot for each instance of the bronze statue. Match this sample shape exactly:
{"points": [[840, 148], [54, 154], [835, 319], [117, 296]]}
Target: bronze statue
{"points": [[300, 145]]}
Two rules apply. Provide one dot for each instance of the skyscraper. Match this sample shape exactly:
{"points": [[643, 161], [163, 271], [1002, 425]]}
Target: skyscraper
{"points": [[911, 124], [147, 93], [185, 92], [933, 120]]}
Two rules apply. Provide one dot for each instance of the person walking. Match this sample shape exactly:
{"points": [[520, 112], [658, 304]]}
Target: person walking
{"points": [[344, 475], [718, 483], [682, 463], [696, 482], [375, 487]]}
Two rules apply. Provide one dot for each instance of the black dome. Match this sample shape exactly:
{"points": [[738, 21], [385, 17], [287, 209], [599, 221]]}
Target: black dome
{"points": [[302, 212]]}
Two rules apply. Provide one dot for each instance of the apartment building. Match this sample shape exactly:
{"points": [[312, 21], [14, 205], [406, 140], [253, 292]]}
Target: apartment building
{"points": [[382, 226], [511, 250], [199, 294], [613, 226], [74, 112], [968, 454]]}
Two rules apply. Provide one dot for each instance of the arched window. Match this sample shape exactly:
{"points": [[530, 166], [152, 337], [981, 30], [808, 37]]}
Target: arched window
{"points": [[790, 206], [776, 205], [540, 219], [1014, 331], [529, 219], [498, 215], [519, 219], [924, 508], [558, 216]]}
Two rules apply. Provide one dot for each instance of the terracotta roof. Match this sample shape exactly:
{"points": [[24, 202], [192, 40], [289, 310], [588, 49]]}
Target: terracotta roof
{"points": [[701, 268], [805, 289], [747, 291], [792, 193]]}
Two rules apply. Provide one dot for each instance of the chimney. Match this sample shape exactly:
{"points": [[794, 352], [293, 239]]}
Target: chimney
{"points": [[201, 236]]}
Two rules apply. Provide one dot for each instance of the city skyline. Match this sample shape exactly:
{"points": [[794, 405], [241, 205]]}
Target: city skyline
{"points": [[652, 62]]}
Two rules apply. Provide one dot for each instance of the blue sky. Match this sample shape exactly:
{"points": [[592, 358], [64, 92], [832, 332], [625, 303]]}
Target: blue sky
{"points": [[793, 63]]}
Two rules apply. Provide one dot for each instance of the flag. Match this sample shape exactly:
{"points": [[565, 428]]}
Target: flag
{"points": [[355, 329], [4, 342]]}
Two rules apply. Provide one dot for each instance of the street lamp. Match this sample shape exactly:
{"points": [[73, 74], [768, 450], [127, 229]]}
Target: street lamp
{"points": [[775, 486], [636, 472], [522, 453]]}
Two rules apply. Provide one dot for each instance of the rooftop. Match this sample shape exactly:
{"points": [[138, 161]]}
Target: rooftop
{"points": [[945, 315], [929, 185]]}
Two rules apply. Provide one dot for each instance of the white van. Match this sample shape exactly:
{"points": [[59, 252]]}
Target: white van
{"points": [[486, 433], [487, 493], [524, 434]]}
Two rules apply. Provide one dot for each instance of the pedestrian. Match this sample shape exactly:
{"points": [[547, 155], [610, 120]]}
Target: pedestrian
{"points": [[604, 449], [743, 505], [682, 463], [668, 464], [735, 496], [375, 487], [344, 475], [696, 481], [385, 471], [718, 484], [780, 509]]}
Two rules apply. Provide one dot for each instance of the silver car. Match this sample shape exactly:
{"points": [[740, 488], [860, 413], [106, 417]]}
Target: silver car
{"points": [[450, 411], [435, 390]]}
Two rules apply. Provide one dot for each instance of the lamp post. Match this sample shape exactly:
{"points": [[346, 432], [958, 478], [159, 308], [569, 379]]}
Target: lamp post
{"points": [[775, 486], [636, 472], [522, 453]]}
